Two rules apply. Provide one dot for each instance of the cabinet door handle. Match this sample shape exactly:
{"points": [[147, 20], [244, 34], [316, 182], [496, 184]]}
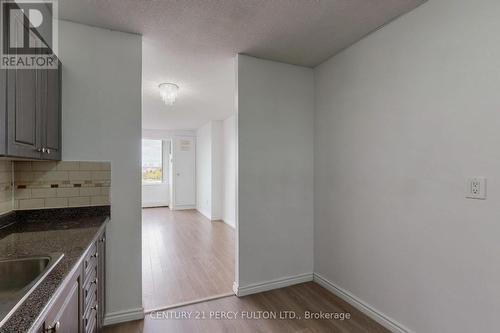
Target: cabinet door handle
{"points": [[48, 151], [54, 327]]}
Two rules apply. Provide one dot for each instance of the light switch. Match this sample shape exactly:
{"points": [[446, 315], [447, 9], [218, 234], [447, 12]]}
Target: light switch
{"points": [[475, 188]]}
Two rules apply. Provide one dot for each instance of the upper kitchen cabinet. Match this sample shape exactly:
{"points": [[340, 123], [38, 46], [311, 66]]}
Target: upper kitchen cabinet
{"points": [[30, 100], [24, 116], [3, 109], [31, 113], [51, 113]]}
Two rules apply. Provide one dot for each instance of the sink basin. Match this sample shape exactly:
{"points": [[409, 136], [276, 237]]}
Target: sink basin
{"points": [[16, 274], [19, 277]]}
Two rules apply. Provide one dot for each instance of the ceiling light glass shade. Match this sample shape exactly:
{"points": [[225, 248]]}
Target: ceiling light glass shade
{"points": [[168, 92]]}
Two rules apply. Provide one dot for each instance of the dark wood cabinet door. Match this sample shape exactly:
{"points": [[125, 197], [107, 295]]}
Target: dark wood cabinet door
{"points": [[31, 108], [23, 113], [3, 111], [65, 317], [52, 114]]}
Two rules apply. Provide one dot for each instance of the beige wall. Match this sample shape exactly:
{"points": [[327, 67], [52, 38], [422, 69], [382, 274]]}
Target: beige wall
{"points": [[61, 184], [5, 187]]}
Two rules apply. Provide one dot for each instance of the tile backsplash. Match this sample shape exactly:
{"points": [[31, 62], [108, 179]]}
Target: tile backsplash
{"points": [[6, 173], [61, 184]]}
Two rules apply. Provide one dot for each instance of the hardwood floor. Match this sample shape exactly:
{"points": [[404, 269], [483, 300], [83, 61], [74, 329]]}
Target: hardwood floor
{"points": [[186, 257], [299, 299]]}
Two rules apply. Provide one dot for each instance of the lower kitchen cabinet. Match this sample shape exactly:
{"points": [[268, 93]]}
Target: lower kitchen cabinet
{"points": [[101, 275], [64, 313], [79, 307]]}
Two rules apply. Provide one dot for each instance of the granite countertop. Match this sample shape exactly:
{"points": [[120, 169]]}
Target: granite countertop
{"points": [[38, 232]]}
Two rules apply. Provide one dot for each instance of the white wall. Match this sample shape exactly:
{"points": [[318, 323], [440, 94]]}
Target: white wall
{"points": [[101, 121], [275, 148], [204, 170], [217, 169], [156, 195], [209, 169], [229, 171], [156, 134], [402, 119]]}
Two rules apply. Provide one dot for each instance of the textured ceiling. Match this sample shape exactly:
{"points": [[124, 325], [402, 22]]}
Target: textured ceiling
{"points": [[193, 42]]}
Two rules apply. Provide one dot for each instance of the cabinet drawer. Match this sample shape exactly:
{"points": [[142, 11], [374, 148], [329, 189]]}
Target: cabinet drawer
{"points": [[90, 278], [90, 321], [90, 290], [91, 308], [90, 262]]}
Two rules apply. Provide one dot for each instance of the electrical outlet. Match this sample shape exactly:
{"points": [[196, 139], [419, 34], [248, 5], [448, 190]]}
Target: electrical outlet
{"points": [[476, 188]]}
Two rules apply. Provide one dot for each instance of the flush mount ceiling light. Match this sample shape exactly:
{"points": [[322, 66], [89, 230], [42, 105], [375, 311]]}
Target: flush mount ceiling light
{"points": [[168, 92]]}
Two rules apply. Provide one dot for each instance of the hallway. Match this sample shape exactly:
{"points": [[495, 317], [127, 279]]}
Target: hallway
{"points": [[185, 257]]}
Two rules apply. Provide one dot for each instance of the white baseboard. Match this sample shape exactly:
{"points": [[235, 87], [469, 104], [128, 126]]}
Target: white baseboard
{"points": [[230, 223], [203, 213], [183, 207], [272, 284], [367, 309], [211, 218], [123, 316], [181, 304], [235, 288], [154, 204]]}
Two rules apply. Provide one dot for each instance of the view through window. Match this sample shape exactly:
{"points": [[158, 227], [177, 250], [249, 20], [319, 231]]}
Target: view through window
{"points": [[152, 161]]}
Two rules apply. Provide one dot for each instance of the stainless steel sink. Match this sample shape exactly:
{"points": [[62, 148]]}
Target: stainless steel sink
{"points": [[19, 277]]}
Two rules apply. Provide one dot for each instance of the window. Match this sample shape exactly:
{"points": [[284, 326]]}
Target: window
{"points": [[152, 161]]}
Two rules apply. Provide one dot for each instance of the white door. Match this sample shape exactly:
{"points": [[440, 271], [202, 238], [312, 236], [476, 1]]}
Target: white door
{"points": [[184, 172]]}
